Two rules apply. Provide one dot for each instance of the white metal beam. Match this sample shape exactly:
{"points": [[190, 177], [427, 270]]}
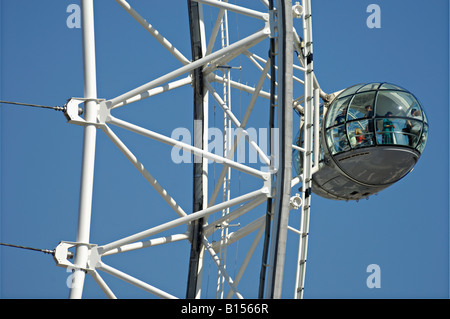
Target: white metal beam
{"points": [[284, 173], [246, 261], [243, 124], [221, 268], [236, 122], [102, 284], [134, 281], [155, 91], [310, 132], [89, 141], [187, 147], [210, 228], [155, 33], [181, 221], [147, 243], [140, 167], [237, 9], [248, 41]]}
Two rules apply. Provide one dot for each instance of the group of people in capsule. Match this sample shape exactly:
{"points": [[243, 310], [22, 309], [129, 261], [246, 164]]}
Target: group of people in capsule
{"points": [[361, 132]]}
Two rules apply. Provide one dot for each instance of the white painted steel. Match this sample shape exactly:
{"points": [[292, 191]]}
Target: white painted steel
{"points": [[235, 8], [243, 231], [102, 284], [238, 124], [182, 220], [89, 141], [310, 124], [316, 124], [158, 90], [248, 41], [155, 33], [242, 87], [140, 167], [243, 124], [209, 229], [210, 62], [221, 268], [215, 30], [147, 243], [284, 173], [134, 281], [246, 261], [187, 147]]}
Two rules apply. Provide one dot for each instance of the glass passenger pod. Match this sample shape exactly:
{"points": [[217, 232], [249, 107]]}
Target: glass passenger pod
{"points": [[382, 124]]}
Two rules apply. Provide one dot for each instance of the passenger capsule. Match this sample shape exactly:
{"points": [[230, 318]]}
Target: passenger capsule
{"points": [[372, 135]]}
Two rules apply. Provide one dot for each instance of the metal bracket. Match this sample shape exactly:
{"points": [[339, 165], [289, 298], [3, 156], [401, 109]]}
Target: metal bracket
{"points": [[268, 185], [73, 111], [273, 23], [295, 201], [62, 254], [297, 10]]}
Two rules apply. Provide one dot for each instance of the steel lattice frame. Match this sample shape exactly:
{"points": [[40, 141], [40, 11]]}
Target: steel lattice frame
{"points": [[277, 180]]}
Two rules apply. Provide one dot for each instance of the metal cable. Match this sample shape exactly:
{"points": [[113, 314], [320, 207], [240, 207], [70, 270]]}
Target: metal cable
{"points": [[46, 251], [56, 108]]}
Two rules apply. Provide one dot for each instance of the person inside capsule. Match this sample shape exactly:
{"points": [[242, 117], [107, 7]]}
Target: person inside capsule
{"points": [[388, 128]]}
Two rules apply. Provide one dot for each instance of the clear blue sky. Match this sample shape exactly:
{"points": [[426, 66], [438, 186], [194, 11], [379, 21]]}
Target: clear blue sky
{"points": [[404, 229]]}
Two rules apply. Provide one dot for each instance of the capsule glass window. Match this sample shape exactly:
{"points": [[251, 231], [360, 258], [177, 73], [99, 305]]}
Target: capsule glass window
{"points": [[423, 139], [337, 113], [388, 86], [351, 90], [369, 87], [412, 130], [400, 104], [359, 133], [388, 131], [337, 140], [361, 106]]}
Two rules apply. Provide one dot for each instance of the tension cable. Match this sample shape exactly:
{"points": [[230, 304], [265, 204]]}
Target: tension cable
{"points": [[56, 108], [45, 251]]}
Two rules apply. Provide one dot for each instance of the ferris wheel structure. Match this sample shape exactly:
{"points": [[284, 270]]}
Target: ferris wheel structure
{"points": [[285, 89], [220, 206]]}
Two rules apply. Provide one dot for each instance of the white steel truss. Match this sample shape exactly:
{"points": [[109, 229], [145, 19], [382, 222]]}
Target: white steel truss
{"points": [[275, 176]]}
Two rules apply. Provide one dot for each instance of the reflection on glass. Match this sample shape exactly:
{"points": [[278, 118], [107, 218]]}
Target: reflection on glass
{"points": [[396, 131], [424, 116], [369, 87], [398, 103], [359, 133], [351, 90], [412, 130], [385, 130], [388, 86], [337, 113], [337, 140], [361, 106], [423, 139]]}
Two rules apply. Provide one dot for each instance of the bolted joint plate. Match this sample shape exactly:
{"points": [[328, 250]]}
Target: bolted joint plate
{"points": [[73, 111], [295, 201], [297, 10], [62, 254]]}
